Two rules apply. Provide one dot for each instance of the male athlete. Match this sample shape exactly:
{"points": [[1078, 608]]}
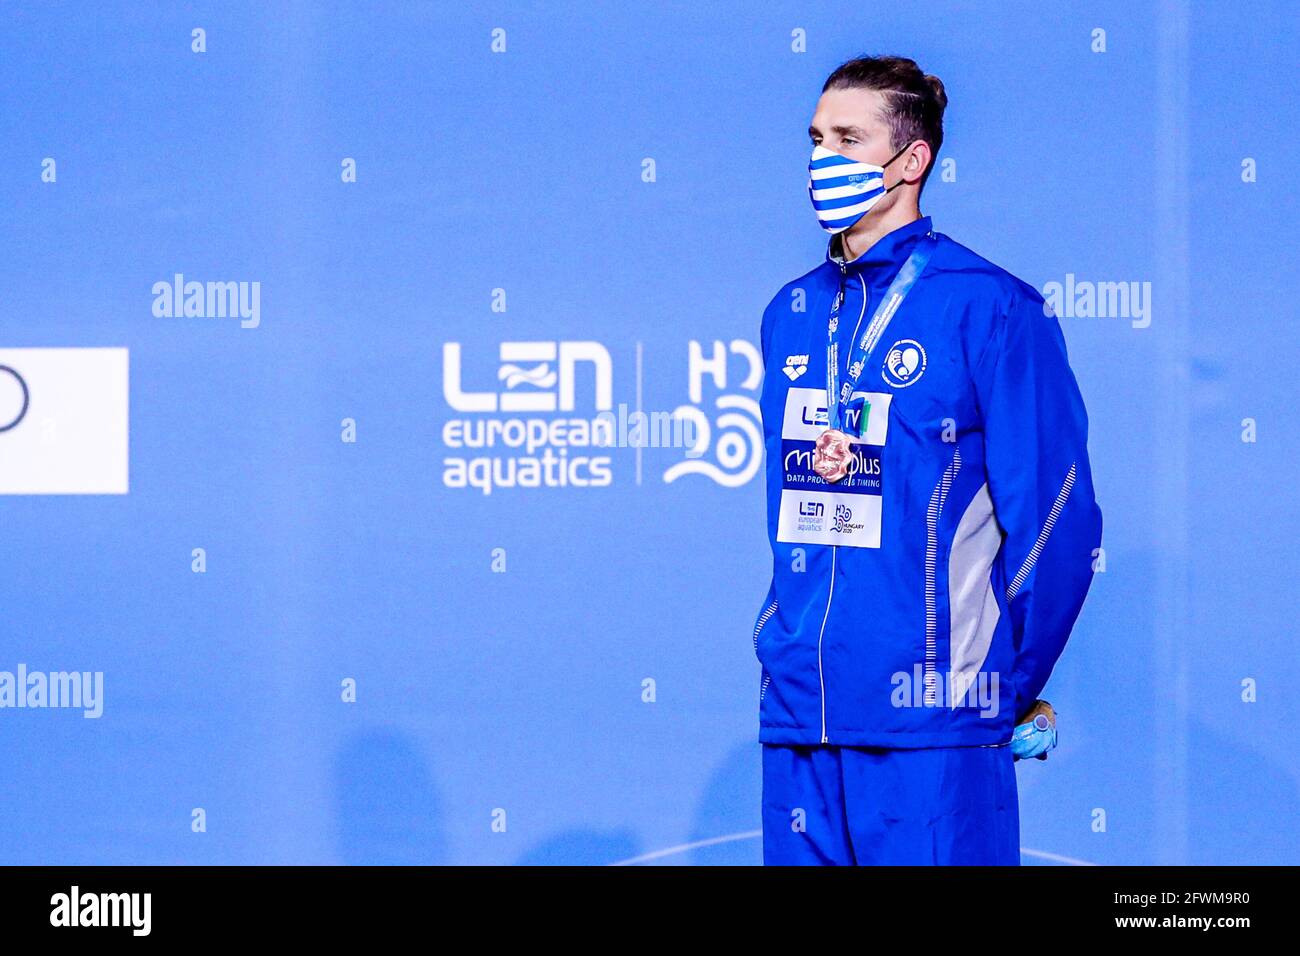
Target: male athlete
{"points": [[930, 509]]}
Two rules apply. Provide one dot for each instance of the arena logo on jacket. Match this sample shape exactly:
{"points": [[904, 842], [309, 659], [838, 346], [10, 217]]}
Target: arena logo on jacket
{"points": [[813, 510]]}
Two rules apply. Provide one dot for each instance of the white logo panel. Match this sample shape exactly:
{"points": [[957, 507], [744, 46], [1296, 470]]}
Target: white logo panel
{"points": [[806, 418], [827, 517], [64, 421], [813, 510]]}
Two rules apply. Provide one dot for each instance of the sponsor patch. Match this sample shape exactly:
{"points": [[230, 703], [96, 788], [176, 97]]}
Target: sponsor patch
{"points": [[813, 511]]}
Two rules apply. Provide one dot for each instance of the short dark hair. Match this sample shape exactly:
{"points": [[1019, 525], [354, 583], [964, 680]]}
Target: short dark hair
{"points": [[915, 100]]}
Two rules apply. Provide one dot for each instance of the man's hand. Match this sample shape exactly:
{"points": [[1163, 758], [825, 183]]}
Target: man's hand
{"points": [[1035, 732]]}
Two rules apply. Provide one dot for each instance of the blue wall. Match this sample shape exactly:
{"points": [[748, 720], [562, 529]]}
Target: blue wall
{"points": [[523, 171]]}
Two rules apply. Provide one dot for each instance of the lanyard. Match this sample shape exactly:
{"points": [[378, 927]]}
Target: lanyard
{"points": [[836, 396]]}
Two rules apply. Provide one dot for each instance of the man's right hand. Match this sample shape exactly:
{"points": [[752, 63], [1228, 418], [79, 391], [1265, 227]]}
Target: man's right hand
{"points": [[1035, 733]]}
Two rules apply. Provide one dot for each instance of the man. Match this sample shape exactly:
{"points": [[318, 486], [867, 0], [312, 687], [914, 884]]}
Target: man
{"points": [[930, 509]]}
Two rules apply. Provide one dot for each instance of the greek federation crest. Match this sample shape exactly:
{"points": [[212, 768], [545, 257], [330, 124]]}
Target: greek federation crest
{"points": [[904, 363]]}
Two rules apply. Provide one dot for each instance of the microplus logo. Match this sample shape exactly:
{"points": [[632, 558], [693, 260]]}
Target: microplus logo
{"points": [[208, 300], [67, 689], [75, 908]]}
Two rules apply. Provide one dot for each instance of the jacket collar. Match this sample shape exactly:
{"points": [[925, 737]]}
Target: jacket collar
{"points": [[891, 248]]}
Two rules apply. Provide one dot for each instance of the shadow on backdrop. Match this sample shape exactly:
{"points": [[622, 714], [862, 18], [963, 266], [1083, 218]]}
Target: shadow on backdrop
{"points": [[730, 805], [583, 848], [1243, 807], [388, 810]]}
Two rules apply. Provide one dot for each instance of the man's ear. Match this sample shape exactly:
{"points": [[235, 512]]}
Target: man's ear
{"points": [[917, 161]]}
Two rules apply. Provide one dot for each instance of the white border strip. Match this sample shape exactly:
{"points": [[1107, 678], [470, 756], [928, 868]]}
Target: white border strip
{"points": [[756, 834], [672, 850]]}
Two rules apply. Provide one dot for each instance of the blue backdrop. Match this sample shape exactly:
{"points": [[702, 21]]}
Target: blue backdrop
{"points": [[565, 672]]}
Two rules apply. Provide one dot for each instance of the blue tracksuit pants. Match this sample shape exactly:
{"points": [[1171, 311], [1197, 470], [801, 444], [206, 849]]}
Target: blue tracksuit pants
{"points": [[872, 806]]}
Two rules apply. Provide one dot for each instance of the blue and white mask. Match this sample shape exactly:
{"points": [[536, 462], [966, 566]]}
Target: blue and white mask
{"points": [[842, 189]]}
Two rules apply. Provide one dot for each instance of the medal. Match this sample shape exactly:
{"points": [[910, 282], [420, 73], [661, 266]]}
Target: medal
{"points": [[831, 455], [833, 450]]}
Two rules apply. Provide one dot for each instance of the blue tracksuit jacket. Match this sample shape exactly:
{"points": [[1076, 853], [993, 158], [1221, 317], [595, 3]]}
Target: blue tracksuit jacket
{"points": [[970, 506]]}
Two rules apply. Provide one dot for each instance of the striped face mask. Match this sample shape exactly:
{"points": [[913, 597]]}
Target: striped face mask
{"points": [[843, 190]]}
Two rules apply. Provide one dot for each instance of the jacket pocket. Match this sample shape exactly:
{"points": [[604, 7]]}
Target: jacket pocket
{"points": [[763, 618], [762, 621]]}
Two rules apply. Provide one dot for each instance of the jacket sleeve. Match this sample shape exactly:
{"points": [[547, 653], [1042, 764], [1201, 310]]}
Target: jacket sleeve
{"points": [[1040, 481]]}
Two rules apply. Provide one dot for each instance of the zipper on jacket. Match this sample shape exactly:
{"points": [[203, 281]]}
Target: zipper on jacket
{"points": [[830, 594], [821, 679]]}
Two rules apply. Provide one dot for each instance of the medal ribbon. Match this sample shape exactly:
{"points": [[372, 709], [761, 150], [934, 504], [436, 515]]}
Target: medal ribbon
{"points": [[837, 397]]}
